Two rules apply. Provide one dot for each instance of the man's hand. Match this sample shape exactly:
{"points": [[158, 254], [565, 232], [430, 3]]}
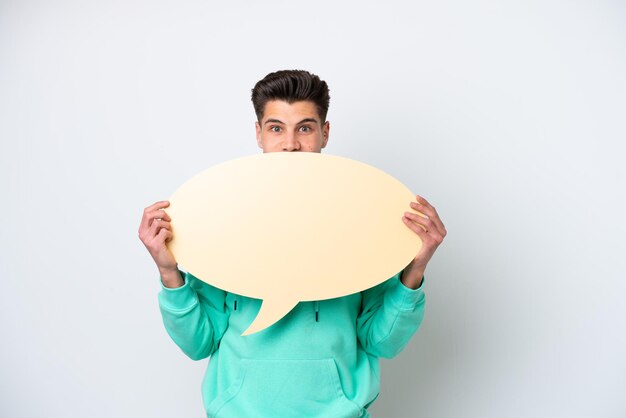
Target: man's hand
{"points": [[432, 232], [154, 232]]}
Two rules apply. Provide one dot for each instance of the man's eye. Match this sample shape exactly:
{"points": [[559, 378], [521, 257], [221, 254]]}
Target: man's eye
{"points": [[275, 128], [305, 128]]}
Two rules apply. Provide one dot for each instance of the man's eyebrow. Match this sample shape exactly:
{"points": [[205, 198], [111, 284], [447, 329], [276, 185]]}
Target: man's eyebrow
{"points": [[305, 120], [273, 121]]}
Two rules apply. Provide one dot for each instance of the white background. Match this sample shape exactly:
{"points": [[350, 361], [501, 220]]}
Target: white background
{"points": [[508, 116]]}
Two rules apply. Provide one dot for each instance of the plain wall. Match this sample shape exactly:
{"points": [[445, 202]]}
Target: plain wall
{"points": [[508, 116]]}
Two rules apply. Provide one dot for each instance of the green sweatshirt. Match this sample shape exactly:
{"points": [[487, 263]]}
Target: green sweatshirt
{"points": [[320, 360]]}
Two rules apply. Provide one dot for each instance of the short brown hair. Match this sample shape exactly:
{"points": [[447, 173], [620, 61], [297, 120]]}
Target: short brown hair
{"points": [[291, 86]]}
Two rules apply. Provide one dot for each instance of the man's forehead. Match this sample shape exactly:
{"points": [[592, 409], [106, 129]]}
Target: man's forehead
{"points": [[296, 112]]}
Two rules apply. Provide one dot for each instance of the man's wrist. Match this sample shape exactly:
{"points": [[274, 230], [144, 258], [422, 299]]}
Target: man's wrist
{"points": [[171, 278], [412, 277]]}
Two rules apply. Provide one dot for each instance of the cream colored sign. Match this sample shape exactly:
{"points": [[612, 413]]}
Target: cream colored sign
{"points": [[287, 227]]}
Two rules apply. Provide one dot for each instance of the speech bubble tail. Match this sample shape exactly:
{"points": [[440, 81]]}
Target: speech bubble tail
{"points": [[271, 312]]}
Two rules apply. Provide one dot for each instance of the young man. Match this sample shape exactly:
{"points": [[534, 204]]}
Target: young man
{"points": [[321, 359]]}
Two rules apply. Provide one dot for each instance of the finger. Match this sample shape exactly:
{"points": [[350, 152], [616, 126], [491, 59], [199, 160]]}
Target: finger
{"points": [[422, 201], [428, 211], [165, 234], [157, 233], [163, 224], [157, 242], [431, 212], [154, 229], [161, 214], [424, 228], [418, 229], [432, 215], [157, 205], [426, 222], [156, 214], [148, 229], [150, 211]]}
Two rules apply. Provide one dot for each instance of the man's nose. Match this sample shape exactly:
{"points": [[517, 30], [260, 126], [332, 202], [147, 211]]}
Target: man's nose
{"points": [[291, 143]]}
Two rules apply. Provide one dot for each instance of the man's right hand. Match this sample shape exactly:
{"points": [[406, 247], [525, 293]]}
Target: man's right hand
{"points": [[154, 232]]}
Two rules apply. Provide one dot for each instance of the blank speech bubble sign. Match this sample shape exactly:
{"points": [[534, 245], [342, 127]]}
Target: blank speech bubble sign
{"points": [[287, 227]]}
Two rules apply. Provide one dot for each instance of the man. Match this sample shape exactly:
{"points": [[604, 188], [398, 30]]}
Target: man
{"points": [[321, 359]]}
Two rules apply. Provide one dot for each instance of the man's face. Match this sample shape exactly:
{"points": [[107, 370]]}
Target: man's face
{"points": [[291, 127]]}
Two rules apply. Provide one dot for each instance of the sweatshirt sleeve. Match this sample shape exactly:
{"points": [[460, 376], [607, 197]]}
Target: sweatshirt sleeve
{"points": [[390, 314], [194, 316]]}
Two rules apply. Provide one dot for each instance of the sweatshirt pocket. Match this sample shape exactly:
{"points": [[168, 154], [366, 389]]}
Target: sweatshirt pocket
{"points": [[286, 389]]}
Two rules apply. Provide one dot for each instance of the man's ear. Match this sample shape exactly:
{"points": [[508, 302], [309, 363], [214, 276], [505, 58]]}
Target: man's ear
{"points": [[257, 127], [325, 132]]}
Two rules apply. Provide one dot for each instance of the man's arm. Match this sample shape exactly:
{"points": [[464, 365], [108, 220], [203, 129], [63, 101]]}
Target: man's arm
{"points": [[192, 311], [393, 311], [390, 314], [194, 316]]}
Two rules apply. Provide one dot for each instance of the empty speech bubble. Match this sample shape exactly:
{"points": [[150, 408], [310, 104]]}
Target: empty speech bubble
{"points": [[287, 227]]}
